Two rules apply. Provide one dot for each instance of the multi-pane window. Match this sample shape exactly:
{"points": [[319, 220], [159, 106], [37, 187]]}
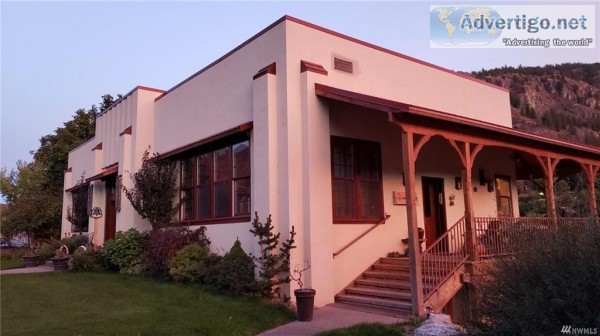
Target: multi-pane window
{"points": [[503, 196], [216, 184], [356, 174]]}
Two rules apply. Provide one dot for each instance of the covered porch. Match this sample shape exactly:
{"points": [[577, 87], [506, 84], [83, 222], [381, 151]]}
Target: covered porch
{"points": [[437, 271]]}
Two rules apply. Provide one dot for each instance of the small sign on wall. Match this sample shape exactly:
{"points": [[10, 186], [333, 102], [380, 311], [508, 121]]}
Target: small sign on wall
{"points": [[399, 197]]}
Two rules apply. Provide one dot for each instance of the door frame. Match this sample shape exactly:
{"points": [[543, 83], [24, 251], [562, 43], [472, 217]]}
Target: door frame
{"points": [[441, 224]]}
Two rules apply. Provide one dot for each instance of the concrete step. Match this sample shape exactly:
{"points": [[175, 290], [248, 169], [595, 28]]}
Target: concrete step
{"points": [[387, 275], [392, 267], [380, 293], [384, 284], [394, 261], [376, 302]]}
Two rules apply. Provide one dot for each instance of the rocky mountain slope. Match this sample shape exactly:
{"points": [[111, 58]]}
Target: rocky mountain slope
{"points": [[558, 101]]}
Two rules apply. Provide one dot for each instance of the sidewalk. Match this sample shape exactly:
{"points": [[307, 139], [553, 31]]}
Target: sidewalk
{"points": [[38, 269], [327, 318]]}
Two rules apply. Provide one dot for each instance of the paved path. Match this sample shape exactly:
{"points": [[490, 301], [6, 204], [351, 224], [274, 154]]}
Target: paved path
{"points": [[327, 318], [39, 269]]}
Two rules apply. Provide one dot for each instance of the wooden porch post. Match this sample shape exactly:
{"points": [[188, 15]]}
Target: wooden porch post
{"points": [[548, 165], [414, 251], [590, 172], [467, 158]]}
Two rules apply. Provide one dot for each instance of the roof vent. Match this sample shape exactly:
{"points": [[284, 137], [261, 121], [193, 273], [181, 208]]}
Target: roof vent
{"points": [[342, 65]]}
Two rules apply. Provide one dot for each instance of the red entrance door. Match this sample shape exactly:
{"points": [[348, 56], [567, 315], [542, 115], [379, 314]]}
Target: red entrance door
{"points": [[110, 222], [434, 213]]}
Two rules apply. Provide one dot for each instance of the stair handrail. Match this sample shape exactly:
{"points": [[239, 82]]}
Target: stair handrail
{"points": [[435, 259], [338, 252]]}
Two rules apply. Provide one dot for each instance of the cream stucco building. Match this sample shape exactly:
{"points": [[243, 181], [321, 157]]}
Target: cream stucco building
{"points": [[336, 137]]}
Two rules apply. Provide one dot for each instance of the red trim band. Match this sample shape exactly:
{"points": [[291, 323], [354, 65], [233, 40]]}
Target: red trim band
{"points": [[312, 67], [126, 131], [239, 129], [109, 171], [98, 147], [269, 69]]}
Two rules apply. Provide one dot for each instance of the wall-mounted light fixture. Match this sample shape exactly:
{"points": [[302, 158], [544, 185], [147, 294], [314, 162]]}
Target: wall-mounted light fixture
{"points": [[457, 183], [490, 186]]}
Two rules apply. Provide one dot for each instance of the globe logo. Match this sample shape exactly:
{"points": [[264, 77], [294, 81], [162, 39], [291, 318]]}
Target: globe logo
{"points": [[463, 26]]}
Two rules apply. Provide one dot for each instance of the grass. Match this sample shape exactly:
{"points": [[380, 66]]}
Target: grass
{"points": [[371, 329], [116, 304], [11, 263]]}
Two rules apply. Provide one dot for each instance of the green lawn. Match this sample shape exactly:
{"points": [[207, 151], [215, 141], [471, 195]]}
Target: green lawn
{"points": [[370, 329], [11, 263], [115, 304]]}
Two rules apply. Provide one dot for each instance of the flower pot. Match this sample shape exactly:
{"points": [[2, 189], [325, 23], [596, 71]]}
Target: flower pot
{"points": [[305, 302], [60, 263], [31, 260]]}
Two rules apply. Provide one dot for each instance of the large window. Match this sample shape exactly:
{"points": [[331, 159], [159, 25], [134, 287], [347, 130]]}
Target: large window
{"points": [[356, 174], [503, 196], [216, 184]]}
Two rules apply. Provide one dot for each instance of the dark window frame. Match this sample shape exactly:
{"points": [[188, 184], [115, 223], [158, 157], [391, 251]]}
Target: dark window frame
{"points": [[358, 145], [509, 197], [194, 186]]}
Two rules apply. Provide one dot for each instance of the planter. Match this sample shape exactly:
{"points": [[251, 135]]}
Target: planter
{"points": [[60, 263], [305, 302], [31, 260]]}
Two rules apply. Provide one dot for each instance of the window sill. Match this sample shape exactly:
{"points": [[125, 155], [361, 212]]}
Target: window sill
{"points": [[358, 221], [227, 220]]}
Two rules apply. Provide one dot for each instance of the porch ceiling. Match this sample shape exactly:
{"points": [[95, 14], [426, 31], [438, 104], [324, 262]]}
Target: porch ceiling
{"points": [[431, 122]]}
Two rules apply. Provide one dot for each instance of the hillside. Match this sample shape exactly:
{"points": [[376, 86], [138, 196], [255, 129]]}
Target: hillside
{"points": [[557, 101]]}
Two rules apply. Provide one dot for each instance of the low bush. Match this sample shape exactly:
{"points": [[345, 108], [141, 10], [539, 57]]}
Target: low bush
{"points": [[73, 242], [186, 265], [125, 251], [237, 272], [549, 283], [12, 253], [163, 244], [47, 251], [88, 261], [210, 273]]}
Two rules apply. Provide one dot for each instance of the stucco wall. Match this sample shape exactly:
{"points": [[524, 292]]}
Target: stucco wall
{"points": [[388, 76]]}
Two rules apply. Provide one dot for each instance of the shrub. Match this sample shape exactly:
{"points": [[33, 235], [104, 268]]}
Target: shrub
{"points": [[549, 283], [186, 265], [47, 251], [273, 267], [163, 244], [124, 252], [237, 272], [88, 261], [73, 242], [210, 273]]}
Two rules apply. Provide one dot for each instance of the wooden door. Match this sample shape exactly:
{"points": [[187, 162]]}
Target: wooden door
{"points": [[434, 213], [110, 221]]}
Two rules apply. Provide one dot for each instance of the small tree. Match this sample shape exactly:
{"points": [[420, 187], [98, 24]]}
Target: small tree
{"points": [[77, 214], [273, 266], [154, 188]]}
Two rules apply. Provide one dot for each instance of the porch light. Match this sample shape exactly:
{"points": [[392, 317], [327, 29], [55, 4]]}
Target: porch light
{"points": [[457, 183], [490, 186]]}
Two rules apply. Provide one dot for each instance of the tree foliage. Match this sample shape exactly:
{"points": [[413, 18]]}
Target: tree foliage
{"points": [[273, 262], [34, 191], [154, 189], [31, 209], [549, 283]]}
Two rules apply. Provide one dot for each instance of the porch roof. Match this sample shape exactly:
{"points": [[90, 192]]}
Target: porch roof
{"points": [[426, 121]]}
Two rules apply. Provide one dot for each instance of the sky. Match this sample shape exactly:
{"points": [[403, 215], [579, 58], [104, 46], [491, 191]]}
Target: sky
{"points": [[57, 57]]}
